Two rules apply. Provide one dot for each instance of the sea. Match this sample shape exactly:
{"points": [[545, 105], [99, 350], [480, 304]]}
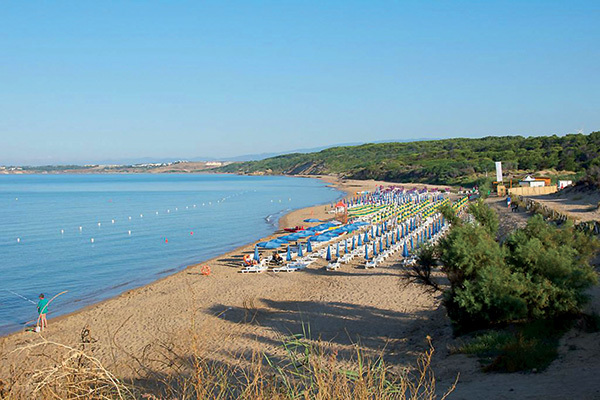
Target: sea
{"points": [[96, 236]]}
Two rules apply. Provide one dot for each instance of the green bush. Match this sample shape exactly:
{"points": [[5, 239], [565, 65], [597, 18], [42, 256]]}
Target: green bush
{"points": [[540, 272], [485, 216]]}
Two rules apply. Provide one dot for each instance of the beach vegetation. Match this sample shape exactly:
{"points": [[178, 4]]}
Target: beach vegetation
{"points": [[307, 369], [457, 161], [520, 296]]}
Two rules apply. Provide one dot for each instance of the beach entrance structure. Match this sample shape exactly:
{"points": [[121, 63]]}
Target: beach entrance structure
{"points": [[341, 212]]}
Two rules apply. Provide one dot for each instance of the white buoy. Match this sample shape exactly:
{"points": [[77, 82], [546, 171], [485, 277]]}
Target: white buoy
{"points": [[62, 231], [130, 218], [157, 213], [186, 207], [129, 232], [18, 240], [194, 206], [176, 209], [16, 199], [99, 223], [271, 201], [290, 199], [280, 200], [80, 228], [168, 211], [92, 240], [202, 203], [113, 221], [209, 203], [141, 215]]}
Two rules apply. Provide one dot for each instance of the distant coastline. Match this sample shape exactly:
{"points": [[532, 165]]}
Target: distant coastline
{"points": [[181, 167]]}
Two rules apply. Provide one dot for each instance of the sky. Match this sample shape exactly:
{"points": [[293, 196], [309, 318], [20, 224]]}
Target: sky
{"points": [[82, 81]]}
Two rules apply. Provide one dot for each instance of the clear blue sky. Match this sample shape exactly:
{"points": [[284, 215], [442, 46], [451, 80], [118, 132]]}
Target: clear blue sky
{"points": [[95, 80]]}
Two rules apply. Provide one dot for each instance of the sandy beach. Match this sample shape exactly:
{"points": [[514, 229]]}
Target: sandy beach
{"points": [[228, 315]]}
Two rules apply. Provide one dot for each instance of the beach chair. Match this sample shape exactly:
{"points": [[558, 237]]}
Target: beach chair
{"points": [[332, 266], [371, 264], [254, 268]]}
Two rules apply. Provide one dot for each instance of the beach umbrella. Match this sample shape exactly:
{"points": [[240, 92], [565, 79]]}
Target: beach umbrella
{"points": [[309, 247], [256, 254], [374, 248], [337, 250], [328, 256], [366, 252], [288, 257], [405, 250], [393, 239], [412, 245], [312, 220], [366, 239], [377, 232], [359, 240], [387, 242], [353, 242], [271, 244], [381, 245], [299, 249], [345, 246]]}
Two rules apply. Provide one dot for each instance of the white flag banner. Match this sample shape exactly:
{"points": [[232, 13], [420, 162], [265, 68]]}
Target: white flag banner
{"points": [[498, 171]]}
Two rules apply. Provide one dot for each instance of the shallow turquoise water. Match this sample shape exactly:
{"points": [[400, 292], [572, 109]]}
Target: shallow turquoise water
{"points": [[43, 248]]}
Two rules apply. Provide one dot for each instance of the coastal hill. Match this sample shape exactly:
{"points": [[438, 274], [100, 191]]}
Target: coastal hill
{"points": [[447, 161]]}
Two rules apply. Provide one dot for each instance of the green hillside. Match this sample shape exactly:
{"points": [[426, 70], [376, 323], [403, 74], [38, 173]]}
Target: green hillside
{"points": [[449, 161]]}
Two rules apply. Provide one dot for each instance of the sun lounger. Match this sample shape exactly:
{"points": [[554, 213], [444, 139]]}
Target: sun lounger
{"points": [[371, 264], [254, 268], [332, 266]]}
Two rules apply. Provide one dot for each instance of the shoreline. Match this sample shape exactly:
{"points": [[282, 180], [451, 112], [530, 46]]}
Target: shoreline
{"points": [[282, 222]]}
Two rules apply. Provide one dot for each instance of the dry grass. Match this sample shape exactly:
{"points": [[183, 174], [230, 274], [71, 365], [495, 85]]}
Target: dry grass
{"points": [[309, 370]]}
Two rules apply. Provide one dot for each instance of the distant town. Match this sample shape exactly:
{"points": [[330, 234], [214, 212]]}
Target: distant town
{"points": [[180, 166]]}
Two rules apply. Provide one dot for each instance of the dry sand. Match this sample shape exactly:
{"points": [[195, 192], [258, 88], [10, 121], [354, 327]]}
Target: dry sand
{"points": [[235, 314]]}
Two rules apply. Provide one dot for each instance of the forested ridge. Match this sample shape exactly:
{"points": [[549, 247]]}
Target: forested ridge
{"points": [[448, 161]]}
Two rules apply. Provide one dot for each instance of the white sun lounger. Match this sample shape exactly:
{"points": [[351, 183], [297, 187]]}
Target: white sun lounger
{"points": [[371, 264], [332, 266], [254, 268]]}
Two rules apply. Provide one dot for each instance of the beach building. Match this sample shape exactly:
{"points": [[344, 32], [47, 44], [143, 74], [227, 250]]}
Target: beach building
{"points": [[530, 181], [564, 184]]}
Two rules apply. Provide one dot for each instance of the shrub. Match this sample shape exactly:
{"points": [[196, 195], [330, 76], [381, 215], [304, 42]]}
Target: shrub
{"points": [[485, 216], [540, 272]]}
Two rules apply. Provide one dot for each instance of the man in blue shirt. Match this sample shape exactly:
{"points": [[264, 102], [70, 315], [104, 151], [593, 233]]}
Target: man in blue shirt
{"points": [[42, 308]]}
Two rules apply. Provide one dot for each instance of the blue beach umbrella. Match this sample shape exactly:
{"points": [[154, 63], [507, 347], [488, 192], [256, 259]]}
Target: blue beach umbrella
{"points": [[412, 244], [405, 251], [256, 254], [381, 245], [337, 250], [360, 240], [353, 242], [345, 246], [374, 248], [288, 257], [300, 250], [393, 239], [366, 252], [309, 247], [328, 256], [271, 244], [366, 239]]}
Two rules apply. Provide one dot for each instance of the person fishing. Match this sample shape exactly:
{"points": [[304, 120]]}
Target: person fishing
{"points": [[42, 308]]}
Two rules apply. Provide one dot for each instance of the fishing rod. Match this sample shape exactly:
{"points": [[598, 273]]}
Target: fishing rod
{"points": [[18, 295]]}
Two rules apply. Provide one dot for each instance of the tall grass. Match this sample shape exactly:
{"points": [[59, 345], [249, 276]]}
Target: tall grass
{"points": [[309, 369]]}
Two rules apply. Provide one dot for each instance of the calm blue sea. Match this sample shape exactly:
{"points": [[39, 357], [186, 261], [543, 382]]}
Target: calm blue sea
{"points": [[143, 227]]}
